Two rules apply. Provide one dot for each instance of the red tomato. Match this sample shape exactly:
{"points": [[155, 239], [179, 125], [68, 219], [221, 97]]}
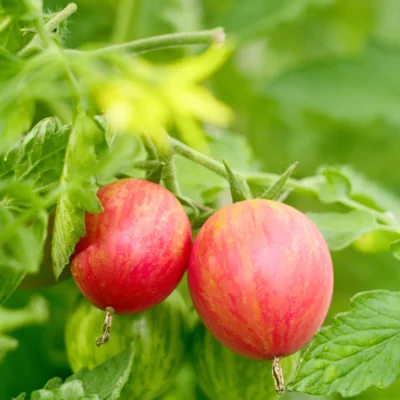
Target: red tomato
{"points": [[136, 251], [261, 278]]}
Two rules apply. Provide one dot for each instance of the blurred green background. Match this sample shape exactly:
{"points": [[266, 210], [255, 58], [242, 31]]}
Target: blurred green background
{"points": [[314, 81]]}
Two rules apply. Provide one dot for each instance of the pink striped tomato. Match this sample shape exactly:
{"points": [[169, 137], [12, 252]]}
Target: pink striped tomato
{"points": [[261, 278], [136, 251]]}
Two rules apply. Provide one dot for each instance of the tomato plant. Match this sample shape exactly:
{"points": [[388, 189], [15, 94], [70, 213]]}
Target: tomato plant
{"points": [[140, 124]]}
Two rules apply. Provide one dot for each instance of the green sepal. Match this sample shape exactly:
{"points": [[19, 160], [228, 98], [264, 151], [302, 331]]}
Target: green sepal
{"points": [[155, 175], [237, 191], [277, 190]]}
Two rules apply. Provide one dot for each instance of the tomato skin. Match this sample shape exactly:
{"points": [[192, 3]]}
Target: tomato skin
{"points": [[134, 253], [261, 278], [158, 337], [223, 374]]}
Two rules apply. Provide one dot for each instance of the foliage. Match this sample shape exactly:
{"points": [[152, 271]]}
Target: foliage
{"points": [[311, 81]]}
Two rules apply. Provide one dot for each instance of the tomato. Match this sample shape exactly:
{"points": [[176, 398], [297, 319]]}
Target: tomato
{"points": [[223, 374], [158, 337], [136, 251], [261, 278]]}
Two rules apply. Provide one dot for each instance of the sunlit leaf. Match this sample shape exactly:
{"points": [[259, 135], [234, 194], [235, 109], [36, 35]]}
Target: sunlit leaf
{"points": [[361, 349]]}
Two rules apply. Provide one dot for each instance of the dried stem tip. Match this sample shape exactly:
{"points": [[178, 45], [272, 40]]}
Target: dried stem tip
{"points": [[277, 375], [106, 327]]}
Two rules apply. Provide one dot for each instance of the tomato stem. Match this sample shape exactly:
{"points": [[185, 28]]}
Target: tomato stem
{"points": [[107, 324], [277, 375], [172, 40]]}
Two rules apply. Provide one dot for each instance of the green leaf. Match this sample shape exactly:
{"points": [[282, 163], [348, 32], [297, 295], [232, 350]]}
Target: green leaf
{"points": [[277, 188], [156, 175], [107, 379], [358, 89], [343, 182], [53, 383], [396, 249], [23, 231], [259, 16], [10, 65], [7, 344], [359, 350], [340, 230], [80, 193], [20, 397], [36, 312], [15, 120], [38, 157], [68, 391], [104, 382], [235, 186]]}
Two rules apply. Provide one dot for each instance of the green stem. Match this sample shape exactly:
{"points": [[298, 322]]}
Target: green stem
{"points": [[307, 185], [199, 158], [61, 17], [123, 21], [164, 42], [170, 178], [44, 30]]}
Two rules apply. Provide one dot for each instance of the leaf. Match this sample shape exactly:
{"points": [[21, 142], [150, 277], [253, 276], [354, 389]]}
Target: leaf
{"points": [[68, 391], [107, 379], [396, 249], [9, 65], [7, 344], [23, 231], [359, 350], [38, 157], [358, 89], [80, 193], [236, 188], [342, 229], [259, 16], [36, 312], [104, 382]]}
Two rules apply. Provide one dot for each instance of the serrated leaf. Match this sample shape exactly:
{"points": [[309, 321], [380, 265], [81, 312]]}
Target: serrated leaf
{"points": [[80, 193], [340, 230], [343, 182], [361, 88], [108, 379], [359, 350], [68, 391], [53, 383], [38, 157]]}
